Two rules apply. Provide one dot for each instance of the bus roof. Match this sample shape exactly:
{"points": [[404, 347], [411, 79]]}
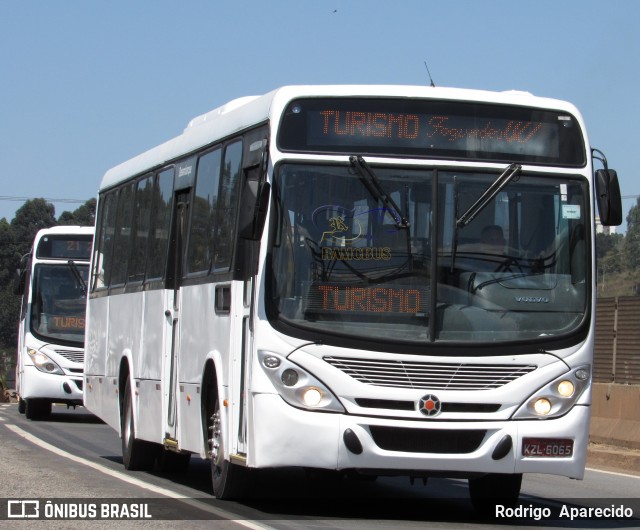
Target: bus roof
{"points": [[248, 111], [65, 229]]}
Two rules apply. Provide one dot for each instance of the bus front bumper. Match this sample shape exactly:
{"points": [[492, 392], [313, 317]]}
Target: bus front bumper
{"points": [[286, 436], [55, 388]]}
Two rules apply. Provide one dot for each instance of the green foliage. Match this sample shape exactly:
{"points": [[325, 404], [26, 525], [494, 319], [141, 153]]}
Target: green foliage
{"points": [[632, 238], [85, 215], [618, 259]]}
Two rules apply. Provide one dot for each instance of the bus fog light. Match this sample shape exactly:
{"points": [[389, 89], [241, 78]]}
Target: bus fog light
{"points": [[565, 388], [312, 397], [290, 377], [542, 406]]}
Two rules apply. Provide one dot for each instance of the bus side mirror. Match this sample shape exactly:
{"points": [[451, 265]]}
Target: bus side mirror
{"points": [[22, 281], [608, 197], [25, 265], [253, 210]]}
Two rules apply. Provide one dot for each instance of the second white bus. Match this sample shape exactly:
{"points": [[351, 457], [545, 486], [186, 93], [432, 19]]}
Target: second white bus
{"points": [[53, 281]]}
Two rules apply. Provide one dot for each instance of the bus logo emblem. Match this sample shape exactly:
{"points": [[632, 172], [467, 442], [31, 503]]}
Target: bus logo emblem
{"points": [[430, 405]]}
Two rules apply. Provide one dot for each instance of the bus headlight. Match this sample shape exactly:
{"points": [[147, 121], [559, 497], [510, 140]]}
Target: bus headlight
{"points": [[542, 406], [43, 362], [296, 386], [557, 397], [312, 397]]}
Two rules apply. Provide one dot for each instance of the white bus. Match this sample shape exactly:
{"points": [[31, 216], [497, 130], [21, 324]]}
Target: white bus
{"points": [[365, 279], [53, 285]]}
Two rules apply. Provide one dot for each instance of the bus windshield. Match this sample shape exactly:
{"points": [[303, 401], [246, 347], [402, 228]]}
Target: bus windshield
{"points": [[390, 262], [58, 303]]}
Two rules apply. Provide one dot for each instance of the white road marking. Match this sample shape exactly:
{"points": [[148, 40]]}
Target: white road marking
{"points": [[613, 473], [254, 525]]}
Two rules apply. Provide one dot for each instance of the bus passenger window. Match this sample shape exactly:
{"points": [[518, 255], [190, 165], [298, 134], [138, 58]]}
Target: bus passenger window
{"points": [[122, 236], [201, 236], [228, 206], [160, 222], [140, 235], [104, 241]]}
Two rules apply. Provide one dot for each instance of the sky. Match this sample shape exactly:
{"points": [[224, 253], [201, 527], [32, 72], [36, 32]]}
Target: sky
{"points": [[87, 84]]}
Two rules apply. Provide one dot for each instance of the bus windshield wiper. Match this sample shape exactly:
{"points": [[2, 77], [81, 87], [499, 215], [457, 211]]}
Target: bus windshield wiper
{"points": [[373, 184], [507, 176], [76, 274]]}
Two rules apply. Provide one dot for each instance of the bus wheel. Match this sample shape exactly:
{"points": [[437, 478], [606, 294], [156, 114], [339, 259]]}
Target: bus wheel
{"points": [[22, 405], [492, 489], [37, 409], [225, 477], [136, 454]]}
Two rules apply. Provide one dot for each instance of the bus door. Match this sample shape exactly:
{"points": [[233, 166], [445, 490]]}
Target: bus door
{"points": [[172, 313]]}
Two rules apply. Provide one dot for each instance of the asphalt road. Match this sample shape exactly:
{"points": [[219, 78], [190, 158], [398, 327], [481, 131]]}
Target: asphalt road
{"points": [[74, 461]]}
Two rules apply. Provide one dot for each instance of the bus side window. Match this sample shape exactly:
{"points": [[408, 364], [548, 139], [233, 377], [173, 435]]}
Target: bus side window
{"points": [[203, 215], [104, 242], [140, 233], [160, 222], [228, 206], [122, 236]]}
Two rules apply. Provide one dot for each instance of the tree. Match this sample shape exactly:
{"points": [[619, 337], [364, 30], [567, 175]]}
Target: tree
{"points": [[16, 239], [632, 239], [609, 252], [32, 216], [85, 215], [8, 252]]}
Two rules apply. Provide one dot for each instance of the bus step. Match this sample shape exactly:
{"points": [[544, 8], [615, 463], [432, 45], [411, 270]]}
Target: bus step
{"points": [[171, 444]]}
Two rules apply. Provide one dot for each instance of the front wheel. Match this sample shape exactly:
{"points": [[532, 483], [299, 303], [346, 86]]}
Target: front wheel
{"points": [[226, 478], [37, 409], [136, 454], [492, 489]]}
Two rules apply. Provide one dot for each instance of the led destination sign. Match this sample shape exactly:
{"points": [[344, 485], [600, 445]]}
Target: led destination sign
{"points": [[64, 247], [60, 324], [438, 129], [338, 298]]}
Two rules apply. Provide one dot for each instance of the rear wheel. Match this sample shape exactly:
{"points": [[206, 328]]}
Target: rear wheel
{"points": [[494, 489], [22, 405], [37, 409], [136, 454], [226, 478]]}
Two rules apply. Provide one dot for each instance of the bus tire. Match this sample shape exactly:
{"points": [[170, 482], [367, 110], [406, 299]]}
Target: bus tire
{"points": [[492, 489], [22, 406], [37, 409], [226, 477], [137, 455]]}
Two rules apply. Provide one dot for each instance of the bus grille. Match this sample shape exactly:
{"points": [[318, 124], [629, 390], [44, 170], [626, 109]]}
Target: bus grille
{"points": [[74, 356], [429, 376], [440, 441]]}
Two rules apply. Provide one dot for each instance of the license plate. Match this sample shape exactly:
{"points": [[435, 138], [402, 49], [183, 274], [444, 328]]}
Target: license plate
{"points": [[547, 447]]}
